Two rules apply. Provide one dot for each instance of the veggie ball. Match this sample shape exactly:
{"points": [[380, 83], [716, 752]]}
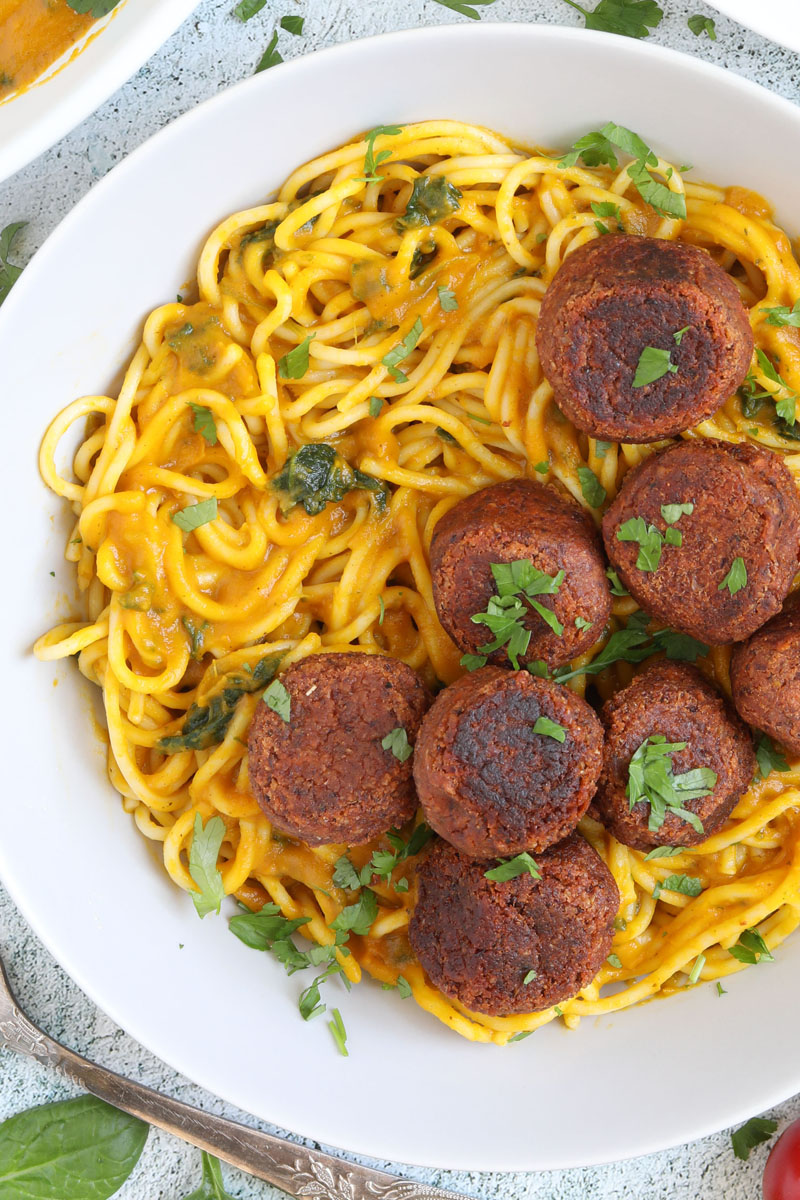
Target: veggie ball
{"points": [[330, 750], [641, 338], [676, 759], [517, 945], [520, 540], [506, 762], [705, 536], [765, 677]]}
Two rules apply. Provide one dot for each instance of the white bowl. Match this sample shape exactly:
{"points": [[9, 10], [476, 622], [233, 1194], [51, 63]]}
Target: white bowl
{"points": [[775, 19], [76, 85], [651, 1077]]}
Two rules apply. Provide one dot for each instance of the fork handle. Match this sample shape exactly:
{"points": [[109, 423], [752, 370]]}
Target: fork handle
{"points": [[293, 1168]]}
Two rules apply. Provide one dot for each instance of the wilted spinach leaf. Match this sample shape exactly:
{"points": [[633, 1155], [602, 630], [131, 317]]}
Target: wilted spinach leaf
{"points": [[315, 475]]}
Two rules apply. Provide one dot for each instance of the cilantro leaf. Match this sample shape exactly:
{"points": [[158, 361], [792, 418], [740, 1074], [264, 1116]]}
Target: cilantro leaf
{"points": [[346, 876], [464, 9], [605, 208], [204, 422], [650, 542], [9, 274], [295, 364], [651, 781], [686, 885], [358, 917], [614, 960], [769, 757], [401, 351], [270, 57], [630, 18], [677, 336], [752, 1134], [293, 24], [781, 315], [736, 578], [700, 25], [653, 364], [751, 948], [203, 855], [260, 930], [634, 644], [591, 488], [551, 729], [666, 202], [278, 699], [195, 515], [699, 963], [473, 662], [397, 741], [510, 868]]}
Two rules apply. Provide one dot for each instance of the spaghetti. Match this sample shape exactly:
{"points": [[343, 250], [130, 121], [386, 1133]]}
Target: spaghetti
{"points": [[217, 398]]}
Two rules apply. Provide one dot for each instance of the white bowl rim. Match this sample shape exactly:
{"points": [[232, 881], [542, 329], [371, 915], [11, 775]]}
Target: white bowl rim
{"points": [[480, 1158]]}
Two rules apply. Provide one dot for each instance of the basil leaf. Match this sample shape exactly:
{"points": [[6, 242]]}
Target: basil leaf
{"points": [[752, 1134], [212, 1187], [196, 515], [82, 1149], [203, 855], [397, 741], [510, 868], [591, 488]]}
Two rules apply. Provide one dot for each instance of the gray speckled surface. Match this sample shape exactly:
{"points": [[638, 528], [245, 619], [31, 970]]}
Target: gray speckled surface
{"points": [[209, 52]]}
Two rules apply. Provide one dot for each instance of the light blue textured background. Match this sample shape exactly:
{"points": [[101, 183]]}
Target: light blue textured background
{"points": [[211, 51]]}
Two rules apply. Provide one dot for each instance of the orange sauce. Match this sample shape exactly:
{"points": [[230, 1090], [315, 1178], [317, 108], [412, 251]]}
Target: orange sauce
{"points": [[33, 34]]}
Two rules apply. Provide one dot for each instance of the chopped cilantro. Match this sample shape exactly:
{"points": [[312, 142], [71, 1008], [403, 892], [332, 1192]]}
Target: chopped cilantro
{"points": [[447, 299], [736, 578], [397, 741], [769, 757], [672, 513], [278, 699], [686, 885], [752, 1134], [464, 9], [614, 960], [204, 422], [9, 274], [295, 364], [781, 315], [248, 8], [617, 586], [293, 24], [591, 488], [401, 351], [651, 780], [551, 729], [663, 852], [751, 948], [270, 57], [375, 406], [510, 868], [650, 540], [506, 610], [630, 18], [372, 160], [653, 365], [195, 515], [336, 1026], [700, 24], [358, 917], [699, 963]]}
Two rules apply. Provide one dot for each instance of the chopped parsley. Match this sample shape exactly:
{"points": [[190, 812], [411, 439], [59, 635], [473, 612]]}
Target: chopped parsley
{"points": [[651, 780], [203, 855], [517, 582], [720, 989], [769, 757], [677, 336], [601, 147], [686, 885], [397, 741], [195, 515], [542, 467], [401, 351], [295, 364], [786, 405], [650, 539], [751, 948], [551, 729], [781, 315], [278, 699], [672, 513], [358, 917], [510, 868], [634, 644], [529, 977], [204, 422], [617, 586], [653, 364], [95, 8], [736, 578], [372, 160], [752, 1134], [592, 489], [699, 25], [447, 299]]}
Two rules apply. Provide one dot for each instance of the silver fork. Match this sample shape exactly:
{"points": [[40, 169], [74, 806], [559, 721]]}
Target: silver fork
{"points": [[295, 1169]]}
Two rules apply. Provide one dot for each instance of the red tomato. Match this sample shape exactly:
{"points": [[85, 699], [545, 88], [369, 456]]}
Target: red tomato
{"points": [[782, 1173]]}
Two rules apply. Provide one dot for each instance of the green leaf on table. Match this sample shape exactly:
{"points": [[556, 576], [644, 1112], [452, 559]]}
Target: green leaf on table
{"points": [[465, 10], [629, 18], [94, 8], [752, 1134], [270, 57], [9, 274], [248, 8], [211, 1187], [700, 25], [81, 1149], [293, 24]]}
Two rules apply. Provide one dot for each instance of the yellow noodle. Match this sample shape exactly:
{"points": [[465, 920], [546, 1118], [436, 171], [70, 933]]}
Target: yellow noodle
{"points": [[170, 615]]}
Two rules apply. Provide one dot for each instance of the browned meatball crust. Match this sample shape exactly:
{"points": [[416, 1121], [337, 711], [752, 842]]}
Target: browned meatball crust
{"points": [[324, 776], [745, 506], [617, 295], [765, 677], [672, 700], [487, 782], [479, 939], [508, 522]]}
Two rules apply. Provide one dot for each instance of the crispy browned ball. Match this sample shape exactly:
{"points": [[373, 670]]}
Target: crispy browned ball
{"points": [[614, 297], [746, 507], [672, 700], [765, 677], [490, 784], [505, 523], [323, 776], [479, 940]]}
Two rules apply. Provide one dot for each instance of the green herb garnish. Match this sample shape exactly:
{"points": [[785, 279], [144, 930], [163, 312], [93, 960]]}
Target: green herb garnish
{"points": [[700, 24], [465, 10], [592, 489], [277, 698], [336, 1026], [95, 8], [653, 365], [736, 578], [601, 147], [751, 948], [316, 475], [781, 315], [432, 199], [293, 24], [447, 300], [207, 724], [397, 741], [372, 160], [204, 422], [510, 868], [664, 852], [248, 8], [651, 780], [686, 885], [294, 365], [203, 855], [630, 18], [507, 609], [270, 57], [769, 757], [551, 729], [401, 351], [9, 274], [196, 515], [752, 1134], [212, 1186]]}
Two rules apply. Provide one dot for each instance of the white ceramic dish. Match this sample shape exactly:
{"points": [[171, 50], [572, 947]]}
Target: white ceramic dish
{"points": [[661, 1074], [778, 20], [66, 94]]}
